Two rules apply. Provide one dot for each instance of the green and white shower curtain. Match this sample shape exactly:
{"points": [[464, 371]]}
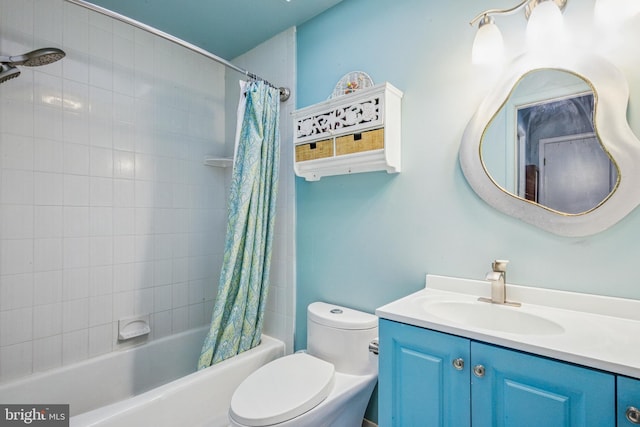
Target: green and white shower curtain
{"points": [[238, 313]]}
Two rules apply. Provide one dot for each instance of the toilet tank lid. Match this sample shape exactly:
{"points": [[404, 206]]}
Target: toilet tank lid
{"points": [[339, 317]]}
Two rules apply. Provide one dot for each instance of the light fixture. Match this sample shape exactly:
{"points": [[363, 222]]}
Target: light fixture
{"points": [[611, 14], [544, 27], [488, 46]]}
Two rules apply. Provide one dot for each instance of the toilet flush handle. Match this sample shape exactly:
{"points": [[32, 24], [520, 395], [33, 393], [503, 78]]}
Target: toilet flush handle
{"points": [[374, 346]]}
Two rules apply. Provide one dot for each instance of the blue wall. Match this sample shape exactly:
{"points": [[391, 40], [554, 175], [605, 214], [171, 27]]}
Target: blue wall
{"points": [[364, 240]]}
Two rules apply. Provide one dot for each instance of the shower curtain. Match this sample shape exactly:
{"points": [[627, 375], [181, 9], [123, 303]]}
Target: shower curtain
{"points": [[238, 313]]}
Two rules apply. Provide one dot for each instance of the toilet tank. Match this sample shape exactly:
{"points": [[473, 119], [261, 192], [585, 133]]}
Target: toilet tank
{"points": [[341, 336]]}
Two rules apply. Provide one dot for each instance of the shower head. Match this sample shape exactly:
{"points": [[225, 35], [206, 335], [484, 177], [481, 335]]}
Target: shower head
{"points": [[34, 58], [8, 72]]}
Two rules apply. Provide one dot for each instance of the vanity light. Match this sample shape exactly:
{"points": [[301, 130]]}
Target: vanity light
{"points": [[612, 13], [544, 27], [488, 46]]}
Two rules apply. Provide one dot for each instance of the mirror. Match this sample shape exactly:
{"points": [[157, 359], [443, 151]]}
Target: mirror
{"points": [[550, 144], [542, 146]]}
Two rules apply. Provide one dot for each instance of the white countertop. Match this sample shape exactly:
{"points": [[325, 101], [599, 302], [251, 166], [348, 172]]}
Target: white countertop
{"points": [[599, 332]]}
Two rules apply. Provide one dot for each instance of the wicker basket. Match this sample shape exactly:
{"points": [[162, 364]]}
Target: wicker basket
{"points": [[314, 150], [359, 142]]}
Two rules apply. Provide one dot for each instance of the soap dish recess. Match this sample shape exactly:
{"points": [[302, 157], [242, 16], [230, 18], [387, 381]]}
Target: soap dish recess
{"points": [[132, 327]]}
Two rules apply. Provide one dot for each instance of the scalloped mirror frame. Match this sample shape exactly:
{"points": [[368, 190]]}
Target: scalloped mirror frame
{"points": [[611, 94]]}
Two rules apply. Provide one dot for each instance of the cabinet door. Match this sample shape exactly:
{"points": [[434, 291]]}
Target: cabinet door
{"points": [[522, 390], [418, 382], [628, 402]]}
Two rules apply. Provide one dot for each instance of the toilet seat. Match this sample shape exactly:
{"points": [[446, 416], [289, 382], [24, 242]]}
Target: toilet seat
{"points": [[282, 390]]}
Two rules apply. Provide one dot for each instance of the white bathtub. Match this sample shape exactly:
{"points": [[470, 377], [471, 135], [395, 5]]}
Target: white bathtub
{"points": [[149, 385]]}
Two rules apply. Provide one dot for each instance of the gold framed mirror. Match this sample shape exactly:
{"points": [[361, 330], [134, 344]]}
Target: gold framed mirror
{"points": [[542, 145]]}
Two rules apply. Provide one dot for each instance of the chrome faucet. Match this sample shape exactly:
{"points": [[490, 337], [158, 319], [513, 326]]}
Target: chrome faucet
{"points": [[498, 279]]}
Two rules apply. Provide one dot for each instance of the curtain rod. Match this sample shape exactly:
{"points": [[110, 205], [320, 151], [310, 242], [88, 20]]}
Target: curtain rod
{"points": [[284, 91]]}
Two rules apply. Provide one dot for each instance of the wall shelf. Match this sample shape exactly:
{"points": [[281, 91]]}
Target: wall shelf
{"points": [[218, 162], [359, 132]]}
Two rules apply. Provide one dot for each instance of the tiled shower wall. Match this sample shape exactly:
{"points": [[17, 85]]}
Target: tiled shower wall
{"points": [[106, 208]]}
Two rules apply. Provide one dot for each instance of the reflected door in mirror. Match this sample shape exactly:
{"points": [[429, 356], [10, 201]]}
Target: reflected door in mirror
{"points": [[541, 146], [575, 173]]}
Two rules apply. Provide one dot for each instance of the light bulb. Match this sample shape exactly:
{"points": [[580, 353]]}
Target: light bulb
{"points": [[488, 46], [612, 13], [545, 27]]}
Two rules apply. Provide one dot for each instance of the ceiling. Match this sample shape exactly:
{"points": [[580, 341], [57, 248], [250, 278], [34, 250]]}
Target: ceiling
{"points": [[226, 28]]}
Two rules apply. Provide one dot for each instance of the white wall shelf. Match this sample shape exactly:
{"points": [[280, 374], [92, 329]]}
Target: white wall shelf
{"points": [[218, 162], [359, 132]]}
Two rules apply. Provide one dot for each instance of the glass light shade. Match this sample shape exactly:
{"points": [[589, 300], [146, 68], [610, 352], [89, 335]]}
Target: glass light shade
{"points": [[488, 46], [545, 27], [612, 13]]}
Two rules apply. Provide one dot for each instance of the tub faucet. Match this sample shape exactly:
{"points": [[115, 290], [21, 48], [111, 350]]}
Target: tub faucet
{"points": [[498, 279]]}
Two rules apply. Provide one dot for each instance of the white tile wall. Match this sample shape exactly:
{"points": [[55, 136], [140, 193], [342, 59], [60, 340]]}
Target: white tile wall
{"points": [[106, 209]]}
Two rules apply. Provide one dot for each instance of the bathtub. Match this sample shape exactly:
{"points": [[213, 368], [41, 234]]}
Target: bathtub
{"points": [[153, 385]]}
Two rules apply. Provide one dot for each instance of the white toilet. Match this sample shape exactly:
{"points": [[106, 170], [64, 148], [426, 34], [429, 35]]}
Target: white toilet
{"points": [[329, 385]]}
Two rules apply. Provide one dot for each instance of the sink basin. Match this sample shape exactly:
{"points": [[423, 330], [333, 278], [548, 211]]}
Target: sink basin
{"points": [[492, 316], [591, 330]]}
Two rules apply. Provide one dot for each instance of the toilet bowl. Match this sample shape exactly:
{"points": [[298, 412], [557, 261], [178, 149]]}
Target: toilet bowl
{"points": [[328, 385]]}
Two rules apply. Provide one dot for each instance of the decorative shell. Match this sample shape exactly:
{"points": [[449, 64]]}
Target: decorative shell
{"points": [[351, 82]]}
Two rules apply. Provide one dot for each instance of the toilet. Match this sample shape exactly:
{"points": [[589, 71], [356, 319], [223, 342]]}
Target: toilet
{"points": [[328, 385]]}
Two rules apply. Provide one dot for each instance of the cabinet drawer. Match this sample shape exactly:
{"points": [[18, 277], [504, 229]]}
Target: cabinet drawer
{"points": [[314, 150], [359, 142]]}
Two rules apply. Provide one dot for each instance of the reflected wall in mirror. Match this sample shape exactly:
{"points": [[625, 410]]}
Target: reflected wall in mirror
{"points": [[550, 144], [542, 145]]}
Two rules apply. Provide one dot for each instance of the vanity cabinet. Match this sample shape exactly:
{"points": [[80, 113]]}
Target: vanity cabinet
{"points": [[520, 389], [418, 384], [430, 378], [628, 411]]}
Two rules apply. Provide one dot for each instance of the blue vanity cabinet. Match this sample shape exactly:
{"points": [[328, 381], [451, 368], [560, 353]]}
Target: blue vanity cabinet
{"points": [[423, 377], [628, 411], [515, 389], [429, 378]]}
